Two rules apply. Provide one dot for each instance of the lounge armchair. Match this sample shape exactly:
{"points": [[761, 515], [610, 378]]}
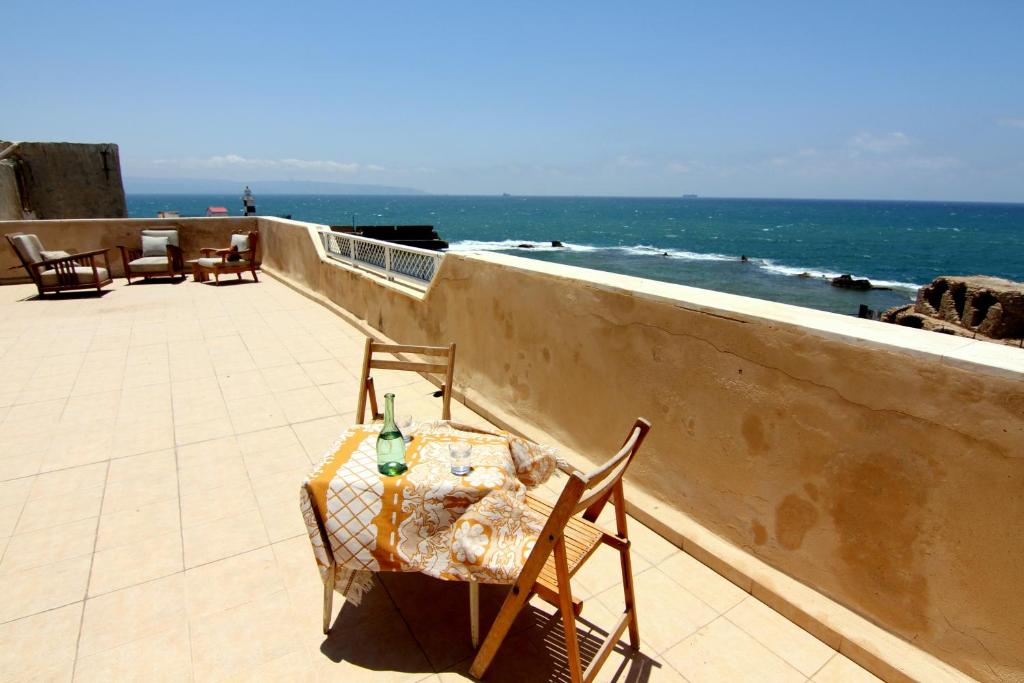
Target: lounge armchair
{"points": [[160, 256], [60, 271], [237, 258]]}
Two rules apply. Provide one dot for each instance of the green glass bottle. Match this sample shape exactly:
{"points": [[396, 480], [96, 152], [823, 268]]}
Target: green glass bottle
{"points": [[390, 444]]}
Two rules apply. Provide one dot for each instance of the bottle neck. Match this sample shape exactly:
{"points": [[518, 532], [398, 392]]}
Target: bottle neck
{"points": [[389, 410]]}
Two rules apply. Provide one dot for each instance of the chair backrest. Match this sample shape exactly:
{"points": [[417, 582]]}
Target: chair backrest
{"points": [[587, 493], [366, 386], [171, 235], [246, 241], [29, 250]]}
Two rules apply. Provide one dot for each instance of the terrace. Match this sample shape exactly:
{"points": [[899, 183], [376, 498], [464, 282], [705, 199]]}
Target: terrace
{"points": [[152, 442]]}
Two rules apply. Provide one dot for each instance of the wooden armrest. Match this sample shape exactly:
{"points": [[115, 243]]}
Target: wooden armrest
{"points": [[86, 254], [206, 251], [174, 250], [565, 468], [89, 256], [129, 250]]}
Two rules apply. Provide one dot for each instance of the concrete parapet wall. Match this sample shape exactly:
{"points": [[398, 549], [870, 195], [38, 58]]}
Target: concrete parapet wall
{"points": [[883, 467], [10, 200], [88, 234]]}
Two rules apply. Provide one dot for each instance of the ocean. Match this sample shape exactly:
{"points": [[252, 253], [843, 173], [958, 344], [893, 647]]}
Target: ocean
{"points": [[699, 242]]}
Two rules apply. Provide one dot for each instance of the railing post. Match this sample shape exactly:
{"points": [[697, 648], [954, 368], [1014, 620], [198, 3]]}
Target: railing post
{"points": [[387, 263]]}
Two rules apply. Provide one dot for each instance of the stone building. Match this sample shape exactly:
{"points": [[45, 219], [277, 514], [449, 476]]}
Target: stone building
{"points": [[43, 180]]}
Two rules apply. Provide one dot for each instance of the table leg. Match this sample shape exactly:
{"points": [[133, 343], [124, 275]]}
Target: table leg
{"points": [[474, 613]]}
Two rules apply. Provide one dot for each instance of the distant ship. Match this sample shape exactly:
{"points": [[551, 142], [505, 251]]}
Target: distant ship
{"points": [[690, 196]]}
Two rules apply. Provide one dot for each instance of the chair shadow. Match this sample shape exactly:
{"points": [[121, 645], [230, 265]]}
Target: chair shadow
{"points": [[176, 280], [230, 283], [426, 623], [69, 296]]}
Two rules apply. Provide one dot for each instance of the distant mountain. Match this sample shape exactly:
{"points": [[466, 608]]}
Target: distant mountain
{"points": [[134, 185]]}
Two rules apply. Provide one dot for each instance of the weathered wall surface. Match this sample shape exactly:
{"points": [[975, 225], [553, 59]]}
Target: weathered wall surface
{"points": [[86, 235], [70, 180], [10, 200], [880, 466]]}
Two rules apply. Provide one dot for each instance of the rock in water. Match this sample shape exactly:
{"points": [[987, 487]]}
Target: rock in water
{"points": [[524, 245], [556, 243], [848, 282], [967, 306]]}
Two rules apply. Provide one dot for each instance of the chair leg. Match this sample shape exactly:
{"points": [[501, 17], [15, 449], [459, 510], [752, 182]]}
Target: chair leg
{"points": [[514, 602], [572, 645], [254, 278], [630, 598], [328, 598], [474, 613], [239, 274]]}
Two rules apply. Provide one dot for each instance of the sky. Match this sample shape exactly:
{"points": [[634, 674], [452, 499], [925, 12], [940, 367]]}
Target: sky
{"points": [[888, 100]]}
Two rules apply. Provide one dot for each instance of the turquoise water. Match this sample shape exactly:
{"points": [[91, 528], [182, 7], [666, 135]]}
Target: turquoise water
{"points": [[696, 242]]}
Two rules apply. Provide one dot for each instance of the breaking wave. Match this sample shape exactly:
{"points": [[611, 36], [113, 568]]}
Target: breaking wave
{"points": [[767, 265]]}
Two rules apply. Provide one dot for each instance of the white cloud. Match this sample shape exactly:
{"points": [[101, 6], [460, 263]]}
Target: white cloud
{"points": [[885, 143], [238, 161], [626, 161], [1011, 122]]}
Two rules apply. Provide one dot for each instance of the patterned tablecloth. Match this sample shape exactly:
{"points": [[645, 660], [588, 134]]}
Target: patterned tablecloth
{"points": [[477, 527]]}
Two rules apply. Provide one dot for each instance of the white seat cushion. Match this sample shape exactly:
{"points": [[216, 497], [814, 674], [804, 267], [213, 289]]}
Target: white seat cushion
{"points": [[149, 264], [240, 241], [171, 235], [29, 247], [50, 277], [215, 262]]}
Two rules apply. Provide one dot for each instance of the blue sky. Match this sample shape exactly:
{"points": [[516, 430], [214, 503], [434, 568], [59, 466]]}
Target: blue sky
{"points": [[921, 100]]}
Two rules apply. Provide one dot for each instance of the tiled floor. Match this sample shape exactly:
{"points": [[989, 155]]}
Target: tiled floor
{"points": [[151, 446]]}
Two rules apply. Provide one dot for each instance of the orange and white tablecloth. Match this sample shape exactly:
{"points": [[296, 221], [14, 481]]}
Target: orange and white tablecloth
{"points": [[477, 527]]}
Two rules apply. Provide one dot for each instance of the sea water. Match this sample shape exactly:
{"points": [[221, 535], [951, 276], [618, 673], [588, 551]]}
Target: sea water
{"points": [[699, 242]]}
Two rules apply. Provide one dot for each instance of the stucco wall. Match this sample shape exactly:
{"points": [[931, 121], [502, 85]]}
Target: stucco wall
{"points": [[880, 465], [70, 180], [89, 234]]}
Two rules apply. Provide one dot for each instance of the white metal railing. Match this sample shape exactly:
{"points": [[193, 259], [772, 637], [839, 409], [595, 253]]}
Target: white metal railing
{"points": [[410, 265]]}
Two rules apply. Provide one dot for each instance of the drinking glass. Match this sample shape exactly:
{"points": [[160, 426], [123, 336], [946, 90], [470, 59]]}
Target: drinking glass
{"points": [[405, 426], [460, 452]]}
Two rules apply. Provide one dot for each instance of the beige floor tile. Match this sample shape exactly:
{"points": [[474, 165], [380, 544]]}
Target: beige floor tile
{"points": [[243, 384], [343, 396], [66, 507], [281, 486], [162, 656], [231, 582], [302, 405], [294, 666], [283, 520], [286, 377], [284, 459], [603, 570], [329, 372], [125, 495], [295, 563], [317, 435], [721, 651], [275, 439], [666, 612], [128, 565], [143, 438], [48, 545], [839, 669], [224, 537], [217, 503], [40, 647], [69, 481], [800, 649], [130, 614], [708, 585], [256, 412], [236, 640], [133, 525], [9, 515], [203, 431], [158, 464], [20, 465], [43, 587], [17, 491]]}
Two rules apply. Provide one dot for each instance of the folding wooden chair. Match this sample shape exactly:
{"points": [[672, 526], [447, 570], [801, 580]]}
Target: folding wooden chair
{"points": [[366, 387], [565, 543]]}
